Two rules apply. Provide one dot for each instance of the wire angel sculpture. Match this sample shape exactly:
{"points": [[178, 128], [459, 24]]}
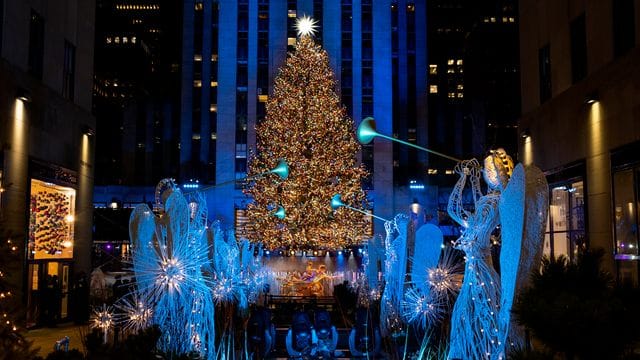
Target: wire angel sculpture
{"points": [[474, 321], [171, 262]]}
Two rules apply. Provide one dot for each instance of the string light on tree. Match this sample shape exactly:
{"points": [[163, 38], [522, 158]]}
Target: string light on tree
{"points": [[306, 125]]}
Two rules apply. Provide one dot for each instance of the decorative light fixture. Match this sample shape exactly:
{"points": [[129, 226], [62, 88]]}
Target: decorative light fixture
{"points": [[306, 26], [23, 94], [336, 202], [367, 131], [591, 98], [88, 130]]}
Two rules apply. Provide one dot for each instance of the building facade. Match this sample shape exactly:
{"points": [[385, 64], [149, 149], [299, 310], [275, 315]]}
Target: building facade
{"points": [[47, 138], [136, 91], [580, 64]]}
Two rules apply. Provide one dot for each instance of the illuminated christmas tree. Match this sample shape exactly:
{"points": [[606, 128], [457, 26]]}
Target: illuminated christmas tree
{"points": [[306, 125]]}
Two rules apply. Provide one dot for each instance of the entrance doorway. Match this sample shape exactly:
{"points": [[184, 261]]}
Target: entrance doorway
{"points": [[48, 296]]}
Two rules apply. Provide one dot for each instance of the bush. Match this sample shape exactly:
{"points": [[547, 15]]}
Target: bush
{"points": [[575, 309]]}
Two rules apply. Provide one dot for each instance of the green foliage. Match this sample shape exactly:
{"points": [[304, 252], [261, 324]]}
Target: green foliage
{"points": [[141, 346], [575, 309], [73, 354], [13, 346]]}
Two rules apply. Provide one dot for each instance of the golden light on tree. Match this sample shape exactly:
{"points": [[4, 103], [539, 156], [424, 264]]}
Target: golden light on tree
{"points": [[306, 125]]}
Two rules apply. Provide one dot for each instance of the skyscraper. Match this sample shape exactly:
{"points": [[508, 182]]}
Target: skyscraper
{"points": [[232, 51], [136, 87]]}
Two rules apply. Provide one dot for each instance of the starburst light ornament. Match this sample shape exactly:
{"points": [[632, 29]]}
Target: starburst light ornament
{"points": [[306, 26]]}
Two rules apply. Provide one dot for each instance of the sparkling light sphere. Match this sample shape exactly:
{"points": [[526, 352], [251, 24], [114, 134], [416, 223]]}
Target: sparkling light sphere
{"points": [[306, 26]]}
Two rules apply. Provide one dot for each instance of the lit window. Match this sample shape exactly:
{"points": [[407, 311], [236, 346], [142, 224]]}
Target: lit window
{"points": [[195, 136], [459, 62], [214, 57], [197, 83], [493, 19], [199, 6], [125, 39], [140, 145], [433, 69], [451, 95], [213, 83], [214, 136], [197, 57], [109, 40], [460, 95], [504, 19], [460, 87], [411, 8], [433, 89], [450, 62], [262, 98], [512, 19], [213, 107], [449, 172], [432, 171], [450, 71], [486, 20], [133, 39], [291, 41], [117, 40], [291, 13]]}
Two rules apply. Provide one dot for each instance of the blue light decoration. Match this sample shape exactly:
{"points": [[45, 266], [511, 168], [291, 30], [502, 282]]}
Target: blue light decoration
{"points": [[336, 203], [474, 321], [170, 259], [191, 184], [280, 213], [414, 185], [367, 132], [523, 214]]}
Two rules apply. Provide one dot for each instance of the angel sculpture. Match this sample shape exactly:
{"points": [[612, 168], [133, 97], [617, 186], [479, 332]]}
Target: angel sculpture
{"points": [[169, 259], [474, 322]]}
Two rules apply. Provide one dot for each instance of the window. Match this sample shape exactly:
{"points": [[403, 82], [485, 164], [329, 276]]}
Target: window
{"points": [[544, 67], [578, 49], [565, 233], [433, 89], [52, 215], [626, 199], [433, 69], [623, 26], [36, 44], [68, 71]]}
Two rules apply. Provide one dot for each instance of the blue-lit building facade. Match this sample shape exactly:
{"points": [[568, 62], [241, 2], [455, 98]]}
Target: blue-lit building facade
{"points": [[232, 51]]}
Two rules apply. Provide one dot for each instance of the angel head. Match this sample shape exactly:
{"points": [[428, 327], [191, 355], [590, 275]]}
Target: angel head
{"points": [[498, 167]]}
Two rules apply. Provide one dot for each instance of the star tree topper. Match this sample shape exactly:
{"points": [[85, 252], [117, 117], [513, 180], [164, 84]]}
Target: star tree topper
{"points": [[306, 26]]}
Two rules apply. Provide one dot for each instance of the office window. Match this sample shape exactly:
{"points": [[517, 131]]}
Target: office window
{"points": [[433, 69], [544, 68], [565, 234], [624, 31], [68, 70], [433, 89], [36, 44], [578, 49]]}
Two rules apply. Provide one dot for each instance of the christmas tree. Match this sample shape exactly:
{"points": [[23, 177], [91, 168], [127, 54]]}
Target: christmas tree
{"points": [[306, 125]]}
